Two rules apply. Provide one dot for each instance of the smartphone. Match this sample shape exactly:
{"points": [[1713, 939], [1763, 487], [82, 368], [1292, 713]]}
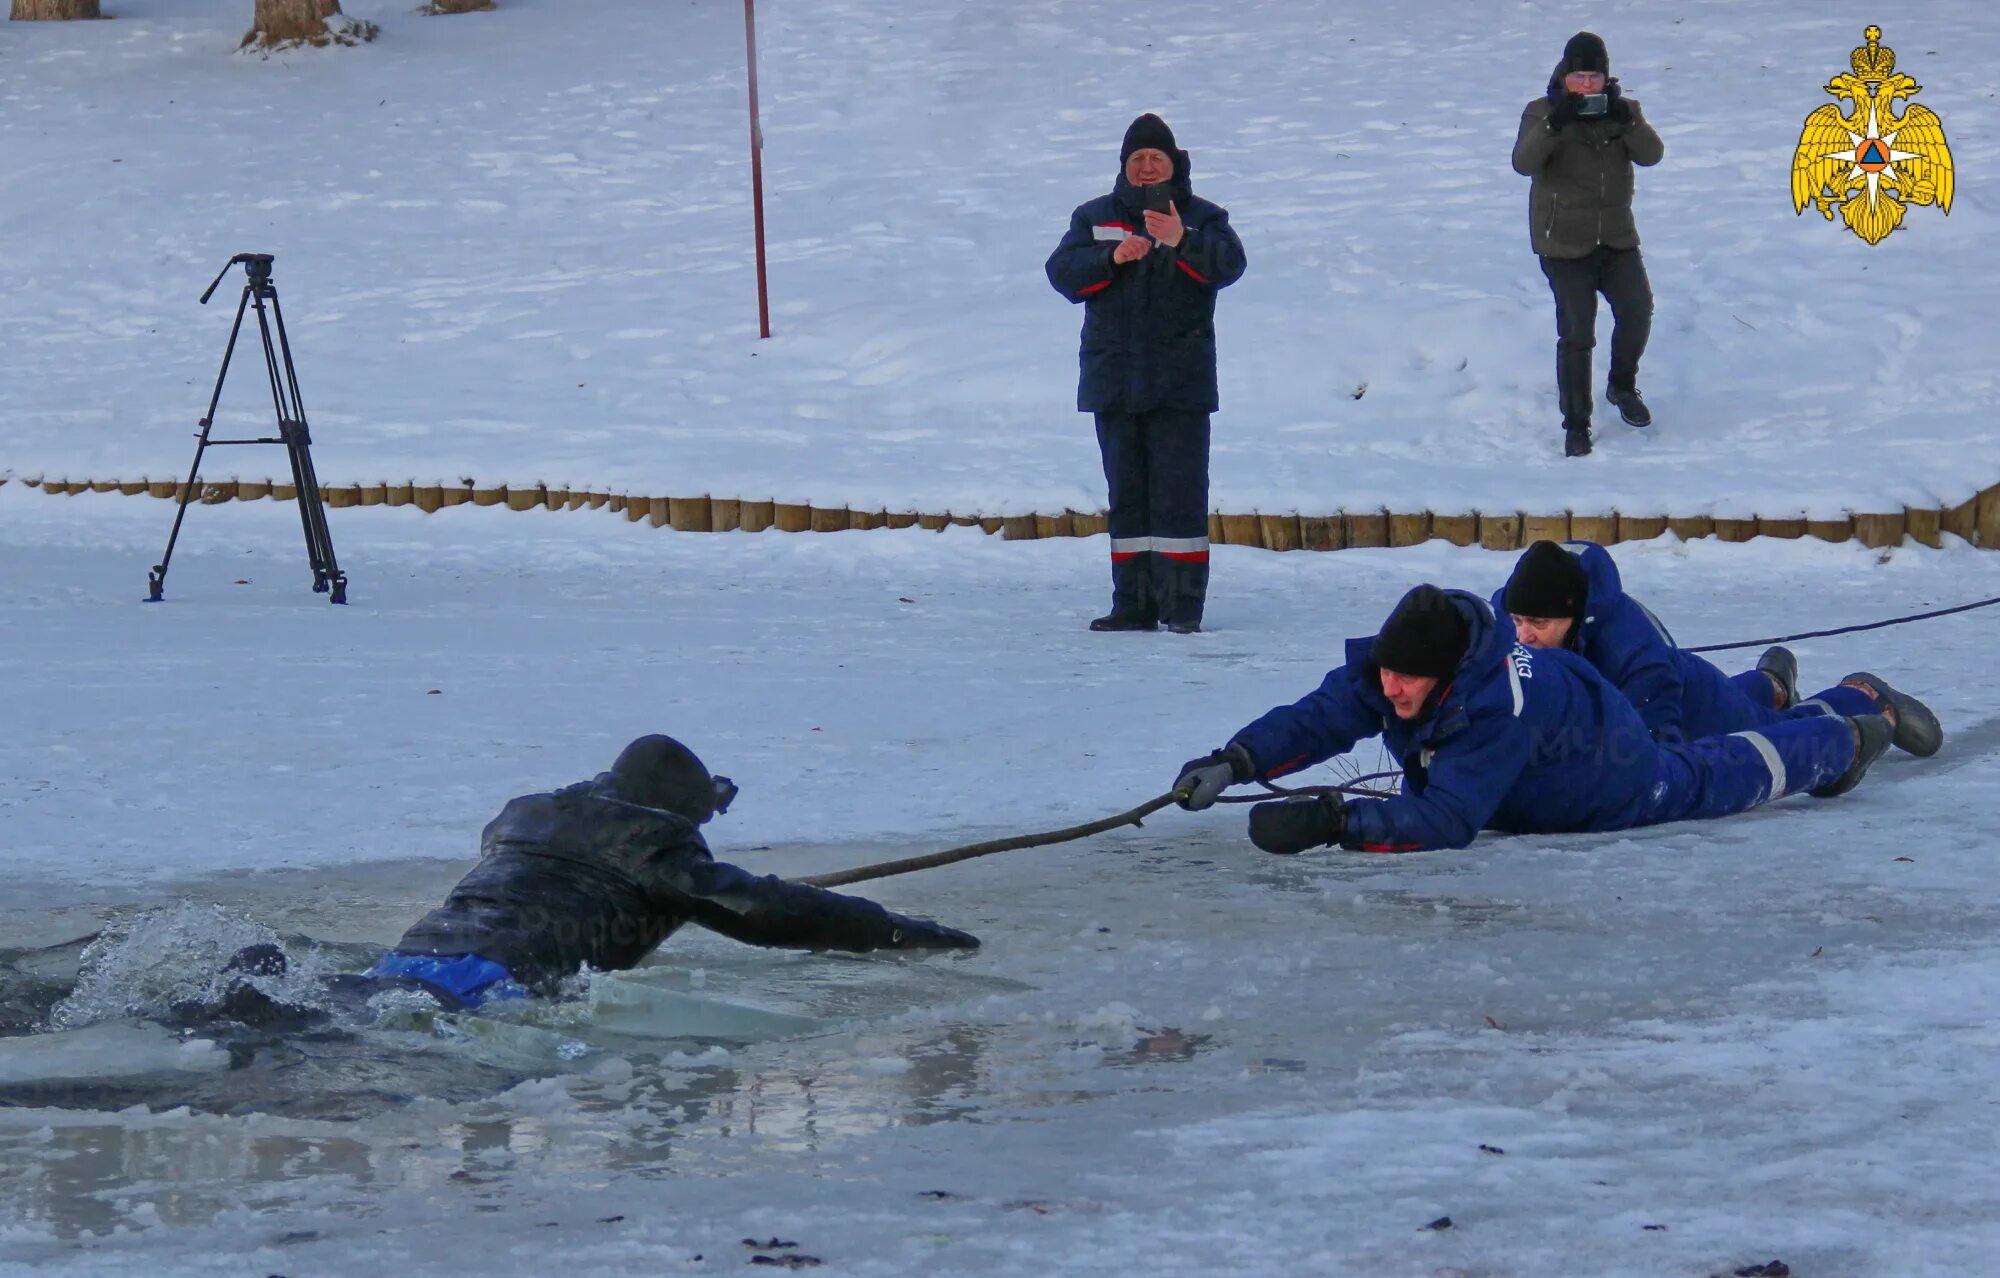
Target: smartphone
{"points": [[1594, 104], [1158, 197]]}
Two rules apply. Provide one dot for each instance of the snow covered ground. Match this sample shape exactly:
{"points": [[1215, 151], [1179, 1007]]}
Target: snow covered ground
{"points": [[515, 247], [1684, 1051]]}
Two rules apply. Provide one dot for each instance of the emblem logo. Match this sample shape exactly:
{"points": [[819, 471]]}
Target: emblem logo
{"points": [[1871, 162]]}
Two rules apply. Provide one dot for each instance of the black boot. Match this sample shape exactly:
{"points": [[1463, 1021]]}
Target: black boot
{"points": [[1781, 668], [1872, 734], [1576, 439], [1115, 620], [1916, 730], [1630, 407]]}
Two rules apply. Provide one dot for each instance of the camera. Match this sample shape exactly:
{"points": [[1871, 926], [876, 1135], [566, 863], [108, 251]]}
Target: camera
{"points": [[1593, 104]]}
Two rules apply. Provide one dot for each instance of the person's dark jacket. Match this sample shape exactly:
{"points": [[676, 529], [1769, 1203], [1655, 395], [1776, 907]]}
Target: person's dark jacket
{"points": [[1518, 740], [580, 876], [1581, 195], [1148, 326]]}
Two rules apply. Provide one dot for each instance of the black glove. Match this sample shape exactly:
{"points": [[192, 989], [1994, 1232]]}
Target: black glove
{"points": [[1290, 826], [1617, 109], [1207, 777], [1564, 112]]}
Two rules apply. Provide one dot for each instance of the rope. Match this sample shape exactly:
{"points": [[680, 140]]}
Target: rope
{"points": [[909, 865], [1137, 816], [1848, 630]]}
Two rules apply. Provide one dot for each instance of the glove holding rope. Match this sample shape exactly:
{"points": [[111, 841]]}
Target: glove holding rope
{"points": [[1287, 827], [1206, 778]]}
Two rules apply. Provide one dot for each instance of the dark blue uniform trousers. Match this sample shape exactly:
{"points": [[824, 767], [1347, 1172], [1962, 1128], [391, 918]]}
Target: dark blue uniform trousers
{"points": [[1156, 464], [1717, 776], [1745, 703]]}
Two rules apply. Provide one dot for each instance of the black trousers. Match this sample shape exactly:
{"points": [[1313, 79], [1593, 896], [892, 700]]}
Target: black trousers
{"points": [[1619, 274], [1157, 467]]}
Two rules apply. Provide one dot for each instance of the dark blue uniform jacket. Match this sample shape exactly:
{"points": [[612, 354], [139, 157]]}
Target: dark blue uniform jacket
{"points": [[1680, 695], [1519, 741], [1149, 325]]}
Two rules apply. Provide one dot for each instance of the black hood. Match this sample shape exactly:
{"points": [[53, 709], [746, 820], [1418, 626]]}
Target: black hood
{"points": [[659, 772]]}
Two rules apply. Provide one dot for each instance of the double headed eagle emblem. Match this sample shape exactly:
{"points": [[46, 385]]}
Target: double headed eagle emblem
{"points": [[1871, 162]]}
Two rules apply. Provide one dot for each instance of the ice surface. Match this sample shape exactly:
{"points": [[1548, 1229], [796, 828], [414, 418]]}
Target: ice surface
{"points": [[1774, 1035]]}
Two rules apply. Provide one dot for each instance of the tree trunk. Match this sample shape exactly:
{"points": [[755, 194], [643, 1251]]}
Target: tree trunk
{"points": [[279, 22], [54, 10]]}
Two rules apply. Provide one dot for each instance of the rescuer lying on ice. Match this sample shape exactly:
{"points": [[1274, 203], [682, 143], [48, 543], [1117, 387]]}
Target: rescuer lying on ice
{"points": [[1570, 596], [1492, 735]]}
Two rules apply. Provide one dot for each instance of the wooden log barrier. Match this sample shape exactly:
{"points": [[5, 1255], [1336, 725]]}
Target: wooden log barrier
{"points": [[1279, 532], [991, 523], [392, 494], [902, 519], [1602, 529], [454, 494], [1735, 529], [1787, 529], [1925, 524], [756, 516], [691, 514], [1988, 503], [1689, 527], [831, 518], [1365, 529], [1052, 525], [1500, 531], [792, 517], [1833, 530], [373, 494], [1536, 528], [1322, 532], [934, 523], [137, 487], [659, 512], [1241, 530], [1459, 530], [1962, 520], [725, 514], [1879, 530], [1409, 530], [1641, 527], [867, 520], [1089, 523], [428, 498]]}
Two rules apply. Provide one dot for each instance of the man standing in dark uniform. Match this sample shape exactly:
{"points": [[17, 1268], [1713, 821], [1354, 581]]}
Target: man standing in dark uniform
{"points": [[1146, 261], [1579, 141]]}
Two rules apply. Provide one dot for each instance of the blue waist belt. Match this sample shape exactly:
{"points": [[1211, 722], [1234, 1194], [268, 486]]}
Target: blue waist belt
{"points": [[467, 977]]}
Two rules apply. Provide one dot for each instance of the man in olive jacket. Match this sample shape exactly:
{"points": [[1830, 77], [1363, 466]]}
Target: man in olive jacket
{"points": [[1579, 142], [1146, 262]]}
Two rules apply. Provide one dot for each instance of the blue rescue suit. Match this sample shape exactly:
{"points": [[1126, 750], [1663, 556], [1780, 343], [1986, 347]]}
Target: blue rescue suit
{"points": [[1528, 741], [1680, 695]]}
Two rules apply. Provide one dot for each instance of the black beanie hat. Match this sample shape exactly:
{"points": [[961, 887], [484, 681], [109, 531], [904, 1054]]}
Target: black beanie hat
{"points": [[1586, 52], [1426, 636], [660, 772], [1148, 130], [1548, 582]]}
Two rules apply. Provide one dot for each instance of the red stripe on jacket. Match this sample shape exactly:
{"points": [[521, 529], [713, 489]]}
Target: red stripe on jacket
{"points": [[1182, 263]]}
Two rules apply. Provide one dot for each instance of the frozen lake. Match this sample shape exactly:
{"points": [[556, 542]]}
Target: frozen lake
{"points": [[1693, 1048]]}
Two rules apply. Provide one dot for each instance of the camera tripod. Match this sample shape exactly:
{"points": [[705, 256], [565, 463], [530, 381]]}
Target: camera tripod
{"points": [[292, 431]]}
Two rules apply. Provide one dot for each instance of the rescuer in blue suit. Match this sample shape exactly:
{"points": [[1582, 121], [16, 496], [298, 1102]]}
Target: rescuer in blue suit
{"points": [[1493, 735], [1570, 596]]}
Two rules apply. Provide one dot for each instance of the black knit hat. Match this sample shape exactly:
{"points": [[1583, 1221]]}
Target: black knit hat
{"points": [[1548, 582], [1148, 130], [1586, 52], [660, 772], [1426, 636]]}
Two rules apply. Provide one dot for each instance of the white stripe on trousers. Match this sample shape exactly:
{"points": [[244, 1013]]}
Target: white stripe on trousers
{"points": [[1167, 545], [1769, 753]]}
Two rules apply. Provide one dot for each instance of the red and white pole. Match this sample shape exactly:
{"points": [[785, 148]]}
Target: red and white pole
{"points": [[757, 169]]}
